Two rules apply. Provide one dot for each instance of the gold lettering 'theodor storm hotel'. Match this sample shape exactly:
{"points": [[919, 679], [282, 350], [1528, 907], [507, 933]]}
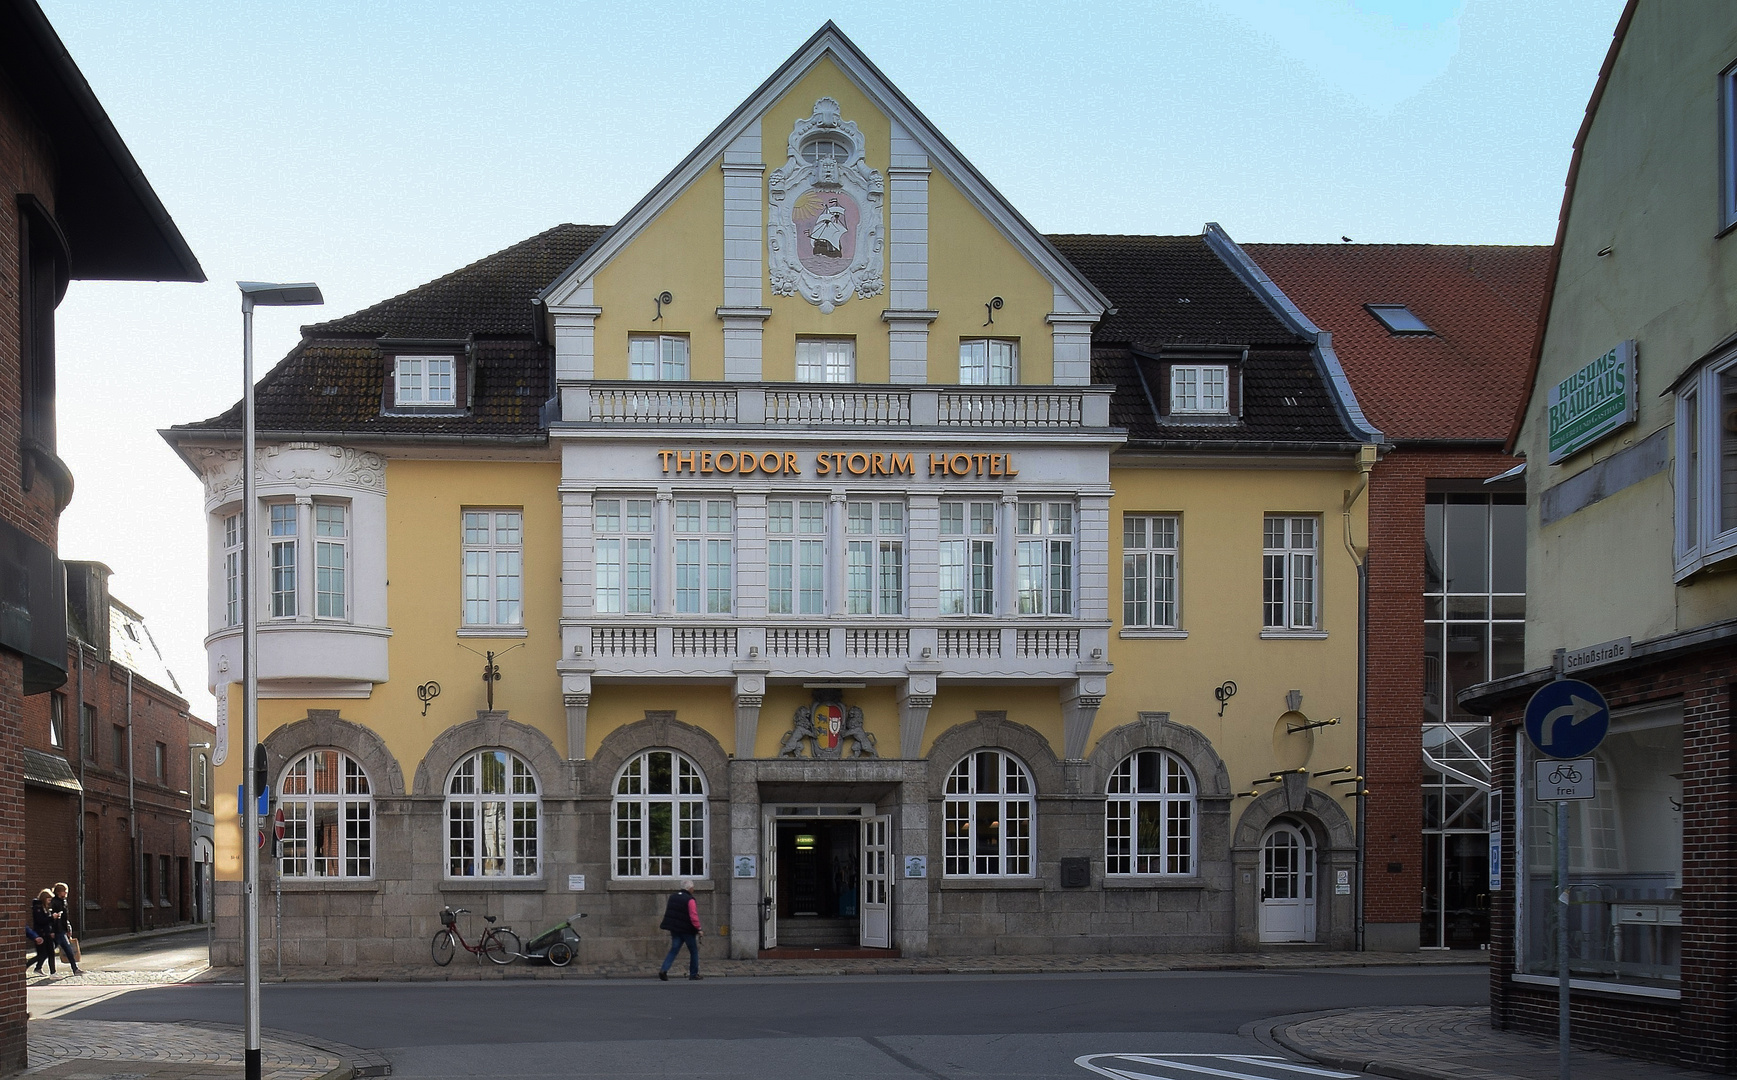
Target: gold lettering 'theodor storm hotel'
{"points": [[831, 463]]}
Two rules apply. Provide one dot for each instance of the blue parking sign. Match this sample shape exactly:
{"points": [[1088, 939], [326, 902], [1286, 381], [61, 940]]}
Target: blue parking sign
{"points": [[1567, 719]]}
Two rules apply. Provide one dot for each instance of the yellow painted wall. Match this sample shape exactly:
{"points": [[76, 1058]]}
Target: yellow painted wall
{"points": [[682, 251], [1220, 577], [616, 704], [1038, 707]]}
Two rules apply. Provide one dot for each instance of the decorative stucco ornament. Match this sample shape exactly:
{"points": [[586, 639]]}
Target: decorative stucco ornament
{"points": [[299, 464], [824, 234], [830, 731]]}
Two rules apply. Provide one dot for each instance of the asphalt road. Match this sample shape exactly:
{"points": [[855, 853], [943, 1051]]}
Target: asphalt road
{"points": [[803, 1027]]}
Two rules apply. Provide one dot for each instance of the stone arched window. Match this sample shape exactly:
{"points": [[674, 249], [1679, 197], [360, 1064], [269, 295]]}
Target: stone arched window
{"points": [[660, 817], [1150, 816], [494, 817], [988, 807], [328, 817]]}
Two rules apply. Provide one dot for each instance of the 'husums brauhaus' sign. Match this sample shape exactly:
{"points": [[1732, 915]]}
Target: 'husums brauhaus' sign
{"points": [[1592, 402], [832, 463]]}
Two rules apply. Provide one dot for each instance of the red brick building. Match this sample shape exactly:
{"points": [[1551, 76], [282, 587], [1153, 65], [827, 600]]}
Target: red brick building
{"points": [[73, 205], [1435, 340]]}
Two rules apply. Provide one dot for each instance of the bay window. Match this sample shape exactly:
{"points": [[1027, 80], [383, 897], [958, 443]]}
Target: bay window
{"points": [[331, 560], [232, 570], [623, 557], [874, 558], [282, 530], [704, 560], [967, 558], [1706, 467], [1044, 581], [795, 557]]}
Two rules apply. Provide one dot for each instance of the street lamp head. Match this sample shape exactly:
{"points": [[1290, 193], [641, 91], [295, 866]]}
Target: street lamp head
{"points": [[271, 294], [199, 746]]}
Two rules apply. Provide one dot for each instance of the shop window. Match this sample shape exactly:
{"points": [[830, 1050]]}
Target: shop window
{"points": [[328, 809], [989, 811], [493, 817], [660, 817], [1149, 817]]}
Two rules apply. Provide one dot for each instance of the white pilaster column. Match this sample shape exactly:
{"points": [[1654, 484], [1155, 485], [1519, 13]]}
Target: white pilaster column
{"points": [[578, 707], [838, 566], [305, 565], [663, 551], [1006, 595], [915, 697]]}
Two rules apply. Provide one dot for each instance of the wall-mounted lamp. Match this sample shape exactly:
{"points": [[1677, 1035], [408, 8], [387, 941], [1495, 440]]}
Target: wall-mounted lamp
{"points": [[994, 304], [1224, 693], [662, 299], [426, 693]]}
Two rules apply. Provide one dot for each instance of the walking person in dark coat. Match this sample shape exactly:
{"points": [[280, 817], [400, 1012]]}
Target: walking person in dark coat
{"points": [[42, 930], [681, 917], [62, 936]]}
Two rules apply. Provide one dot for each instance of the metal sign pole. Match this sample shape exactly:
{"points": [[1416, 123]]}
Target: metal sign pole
{"points": [[1562, 1068]]}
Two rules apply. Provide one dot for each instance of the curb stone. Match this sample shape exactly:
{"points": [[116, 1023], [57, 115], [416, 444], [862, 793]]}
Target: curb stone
{"points": [[361, 1062]]}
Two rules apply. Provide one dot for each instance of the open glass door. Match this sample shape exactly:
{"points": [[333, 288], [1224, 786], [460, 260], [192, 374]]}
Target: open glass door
{"points": [[876, 913], [769, 881]]}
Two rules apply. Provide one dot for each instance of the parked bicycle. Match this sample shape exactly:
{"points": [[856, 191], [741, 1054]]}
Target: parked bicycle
{"points": [[498, 943]]}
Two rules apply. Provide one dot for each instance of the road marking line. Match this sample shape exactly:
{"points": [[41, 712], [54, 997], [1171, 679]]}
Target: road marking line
{"points": [[1086, 1061], [1275, 1063]]}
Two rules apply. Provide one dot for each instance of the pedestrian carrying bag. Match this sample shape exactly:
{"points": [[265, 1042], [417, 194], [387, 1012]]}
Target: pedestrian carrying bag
{"points": [[77, 953]]}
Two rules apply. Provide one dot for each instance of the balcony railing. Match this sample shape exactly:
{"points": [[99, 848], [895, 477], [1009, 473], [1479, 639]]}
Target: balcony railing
{"points": [[807, 405]]}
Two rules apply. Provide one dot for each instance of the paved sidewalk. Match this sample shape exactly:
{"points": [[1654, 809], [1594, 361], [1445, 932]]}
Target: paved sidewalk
{"points": [[466, 968], [106, 1050], [1442, 1043]]}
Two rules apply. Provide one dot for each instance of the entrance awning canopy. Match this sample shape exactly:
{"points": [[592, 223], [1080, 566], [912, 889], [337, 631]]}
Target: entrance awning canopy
{"points": [[47, 770]]}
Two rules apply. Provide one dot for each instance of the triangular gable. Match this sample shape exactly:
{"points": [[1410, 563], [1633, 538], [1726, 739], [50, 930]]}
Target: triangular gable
{"points": [[1072, 288]]}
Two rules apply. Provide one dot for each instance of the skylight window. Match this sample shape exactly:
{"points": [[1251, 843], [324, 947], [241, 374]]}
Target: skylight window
{"points": [[1398, 319]]}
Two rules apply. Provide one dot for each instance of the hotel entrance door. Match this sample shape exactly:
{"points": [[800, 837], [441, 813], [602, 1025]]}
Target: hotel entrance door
{"points": [[826, 878]]}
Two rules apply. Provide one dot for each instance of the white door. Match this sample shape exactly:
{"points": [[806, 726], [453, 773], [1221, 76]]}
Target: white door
{"points": [[769, 881], [875, 913], [1287, 885]]}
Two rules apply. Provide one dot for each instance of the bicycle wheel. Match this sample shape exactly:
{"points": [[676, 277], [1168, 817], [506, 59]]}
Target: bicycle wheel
{"points": [[443, 948], [501, 946], [560, 954]]}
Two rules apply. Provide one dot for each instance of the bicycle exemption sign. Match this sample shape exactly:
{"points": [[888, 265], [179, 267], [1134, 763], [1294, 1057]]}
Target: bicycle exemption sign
{"points": [[1563, 781]]}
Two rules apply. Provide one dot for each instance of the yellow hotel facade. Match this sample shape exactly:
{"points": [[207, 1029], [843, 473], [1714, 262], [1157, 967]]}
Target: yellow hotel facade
{"points": [[907, 578]]}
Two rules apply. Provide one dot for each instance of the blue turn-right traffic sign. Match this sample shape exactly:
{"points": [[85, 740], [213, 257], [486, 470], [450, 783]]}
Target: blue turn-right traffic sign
{"points": [[1567, 719]]}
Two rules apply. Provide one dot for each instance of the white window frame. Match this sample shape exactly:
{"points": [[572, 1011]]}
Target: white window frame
{"points": [[497, 581], [1174, 798], [997, 366], [332, 561], [1046, 557], [623, 547], [351, 803], [634, 806], [425, 382], [1294, 591], [875, 570], [283, 528], [826, 360], [1200, 389], [1701, 470], [968, 531], [232, 569], [493, 833], [1151, 571], [1728, 148], [705, 573], [1010, 803], [670, 358], [796, 557]]}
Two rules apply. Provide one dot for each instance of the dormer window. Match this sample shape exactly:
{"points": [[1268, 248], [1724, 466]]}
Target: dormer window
{"points": [[1200, 389], [424, 382]]}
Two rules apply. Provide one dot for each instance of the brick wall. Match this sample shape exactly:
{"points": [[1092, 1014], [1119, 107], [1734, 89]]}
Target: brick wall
{"points": [[1395, 687], [1700, 1030]]}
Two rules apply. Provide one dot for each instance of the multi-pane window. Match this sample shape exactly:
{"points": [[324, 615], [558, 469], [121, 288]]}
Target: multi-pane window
{"points": [[331, 560], [232, 570], [795, 557], [493, 817], [988, 810], [987, 362], [1291, 568], [57, 720], [874, 558], [622, 555], [660, 817], [1706, 467], [1474, 603], [328, 818], [1044, 581], [1199, 388], [657, 357], [1149, 818], [494, 559], [282, 530], [424, 381], [967, 558], [828, 360], [1149, 561], [704, 561]]}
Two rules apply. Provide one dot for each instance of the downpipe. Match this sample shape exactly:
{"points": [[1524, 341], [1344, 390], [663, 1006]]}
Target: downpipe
{"points": [[1366, 458]]}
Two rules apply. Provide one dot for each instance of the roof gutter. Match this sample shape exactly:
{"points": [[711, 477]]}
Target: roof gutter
{"points": [[1326, 360], [175, 437]]}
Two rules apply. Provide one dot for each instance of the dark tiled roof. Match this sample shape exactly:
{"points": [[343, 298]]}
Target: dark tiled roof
{"points": [[1464, 380], [1170, 290], [1283, 401]]}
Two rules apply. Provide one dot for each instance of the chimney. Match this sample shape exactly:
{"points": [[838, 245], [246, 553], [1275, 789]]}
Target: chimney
{"points": [[87, 605]]}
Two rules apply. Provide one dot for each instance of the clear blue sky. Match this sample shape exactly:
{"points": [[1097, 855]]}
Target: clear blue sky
{"points": [[371, 146]]}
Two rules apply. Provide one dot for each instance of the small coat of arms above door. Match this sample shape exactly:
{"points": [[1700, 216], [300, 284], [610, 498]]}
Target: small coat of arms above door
{"points": [[824, 232], [830, 730]]}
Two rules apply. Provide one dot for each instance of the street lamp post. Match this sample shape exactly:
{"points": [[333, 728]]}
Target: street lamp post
{"points": [[253, 294]]}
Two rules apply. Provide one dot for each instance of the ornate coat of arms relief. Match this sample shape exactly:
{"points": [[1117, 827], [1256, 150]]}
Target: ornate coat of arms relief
{"points": [[824, 234]]}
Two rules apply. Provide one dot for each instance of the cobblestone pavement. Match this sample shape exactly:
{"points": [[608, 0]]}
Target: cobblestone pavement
{"points": [[1444, 1043], [91, 976], [466, 968], [106, 1050]]}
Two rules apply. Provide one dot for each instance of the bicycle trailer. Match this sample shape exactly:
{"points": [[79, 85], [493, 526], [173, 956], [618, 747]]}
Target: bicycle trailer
{"points": [[557, 945]]}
